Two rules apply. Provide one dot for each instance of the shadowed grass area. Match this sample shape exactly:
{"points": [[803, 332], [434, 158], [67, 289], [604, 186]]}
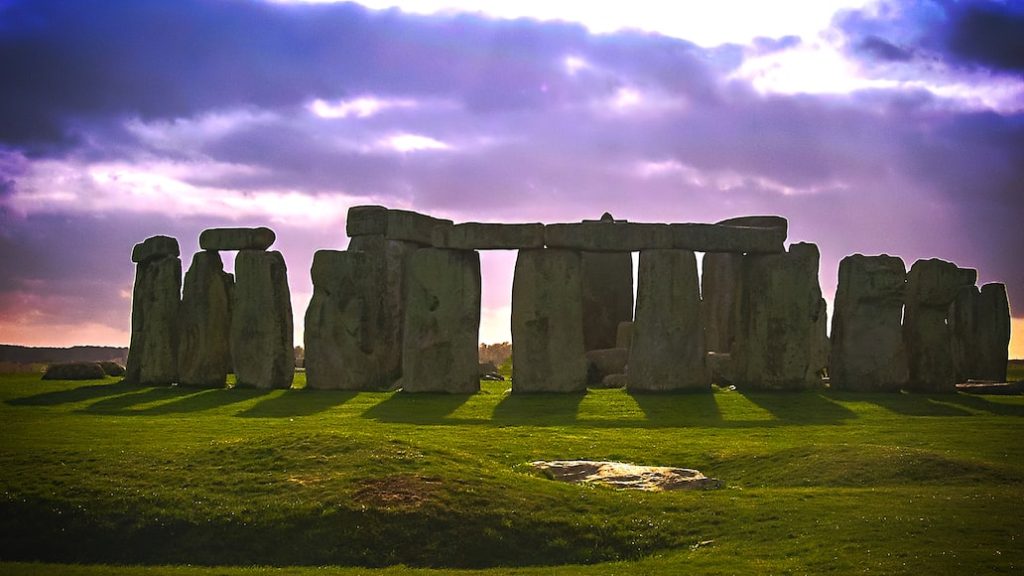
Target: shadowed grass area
{"points": [[816, 482]]}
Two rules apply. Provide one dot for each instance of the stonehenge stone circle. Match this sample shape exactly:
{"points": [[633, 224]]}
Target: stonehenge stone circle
{"points": [[261, 321], [476, 236], [667, 351], [979, 323], [156, 301], [392, 224], [868, 353], [781, 341], [236, 239], [547, 322], [442, 321], [204, 352], [932, 286]]}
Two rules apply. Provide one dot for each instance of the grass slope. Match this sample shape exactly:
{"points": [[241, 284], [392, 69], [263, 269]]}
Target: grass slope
{"points": [[817, 482]]}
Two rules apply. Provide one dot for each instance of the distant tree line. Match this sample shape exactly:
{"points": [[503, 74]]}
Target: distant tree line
{"points": [[496, 353]]}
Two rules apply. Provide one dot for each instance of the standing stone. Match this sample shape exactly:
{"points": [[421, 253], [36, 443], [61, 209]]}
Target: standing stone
{"points": [[979, 322], [932, 286], [781, 341], [385, 305], [720, 284], [868, 353], [261, 321], [667, 352], [607, 296], [156, 298], [547, 322], [624, 335], [442, 321], [204, 352], [339, 333]]}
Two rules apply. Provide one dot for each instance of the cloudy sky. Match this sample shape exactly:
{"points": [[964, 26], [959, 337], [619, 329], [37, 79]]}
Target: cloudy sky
{"points": [[892, 127]]}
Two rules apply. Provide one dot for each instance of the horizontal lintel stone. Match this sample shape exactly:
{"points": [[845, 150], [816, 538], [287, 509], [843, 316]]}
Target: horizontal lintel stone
{"points": [[608, 236], [477, 236], [155, 247], [721, 238], [237, 238], [393, 224]]}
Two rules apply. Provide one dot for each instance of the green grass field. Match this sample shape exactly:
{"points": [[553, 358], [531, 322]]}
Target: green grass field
{"points": [[99, 477]]}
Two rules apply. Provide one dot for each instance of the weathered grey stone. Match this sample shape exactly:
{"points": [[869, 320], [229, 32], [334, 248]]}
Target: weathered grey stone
{"points": [[339, 334], [601, 363], [667, 352], [979, 323], [236, 238], [547, 322], [781, 340], [932, 286], [204, 351], [155, 247], [156, 299], [75, 371], [385, 301], [721, 238], [262, 345], [720, 367], [607, 296], [111, 368], [607, 236], [624, 334], [777, 222], [476, 236], [868, 353], [392, 224], [720, 290], [614, 381], [442, 321]]}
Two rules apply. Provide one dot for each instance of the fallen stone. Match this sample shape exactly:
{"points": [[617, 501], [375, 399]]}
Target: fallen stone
{"points": [[155, 247], [607, 236], [720, 238], [156, 302], [667, 351], [781, 341], [486, 368], [604, 362], [614, 381], [476, 236], [204, 350], [868, 353], [112, 368], [607, 279], [393, 224], [992, 388], [626, 476], [932, 286], [547, 323], [75, 371], [442, 322], [236, 238], [262, 345], [624, 334]]}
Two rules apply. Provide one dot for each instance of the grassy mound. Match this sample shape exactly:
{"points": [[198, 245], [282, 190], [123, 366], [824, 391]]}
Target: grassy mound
{"points": [[100, 472]]}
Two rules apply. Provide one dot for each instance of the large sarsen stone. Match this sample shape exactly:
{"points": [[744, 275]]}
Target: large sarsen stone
{"points": [[261, 321], [156, 299], [204, 354]]}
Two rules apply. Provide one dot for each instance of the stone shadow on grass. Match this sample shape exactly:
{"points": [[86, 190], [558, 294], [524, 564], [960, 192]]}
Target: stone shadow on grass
{"points": [[417, 408], [537, 409], [983, 404], [913, 404], [678, 409], [200, 399], [303, 402], [73, 395], [123, 404], [806, 407]]}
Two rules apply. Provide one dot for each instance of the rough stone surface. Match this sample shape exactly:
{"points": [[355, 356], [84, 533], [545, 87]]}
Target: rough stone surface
{"points": [[261, 321], [204, 351], [75, 371], [601, 363], [607, 236], [932, 286], [722, 238], [476, 236], [667, 352], [112, 368], [385, 301], [624, 334], [720, 288], [776, 222], [627, 476], [442, 322], [720, 367], [156, 300], [401, 225], [547, 322], [979, 322], [868, 353], [781, 340], [607, 296], [614, 381], [339, 334], [236, 238], [155, 247]]}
